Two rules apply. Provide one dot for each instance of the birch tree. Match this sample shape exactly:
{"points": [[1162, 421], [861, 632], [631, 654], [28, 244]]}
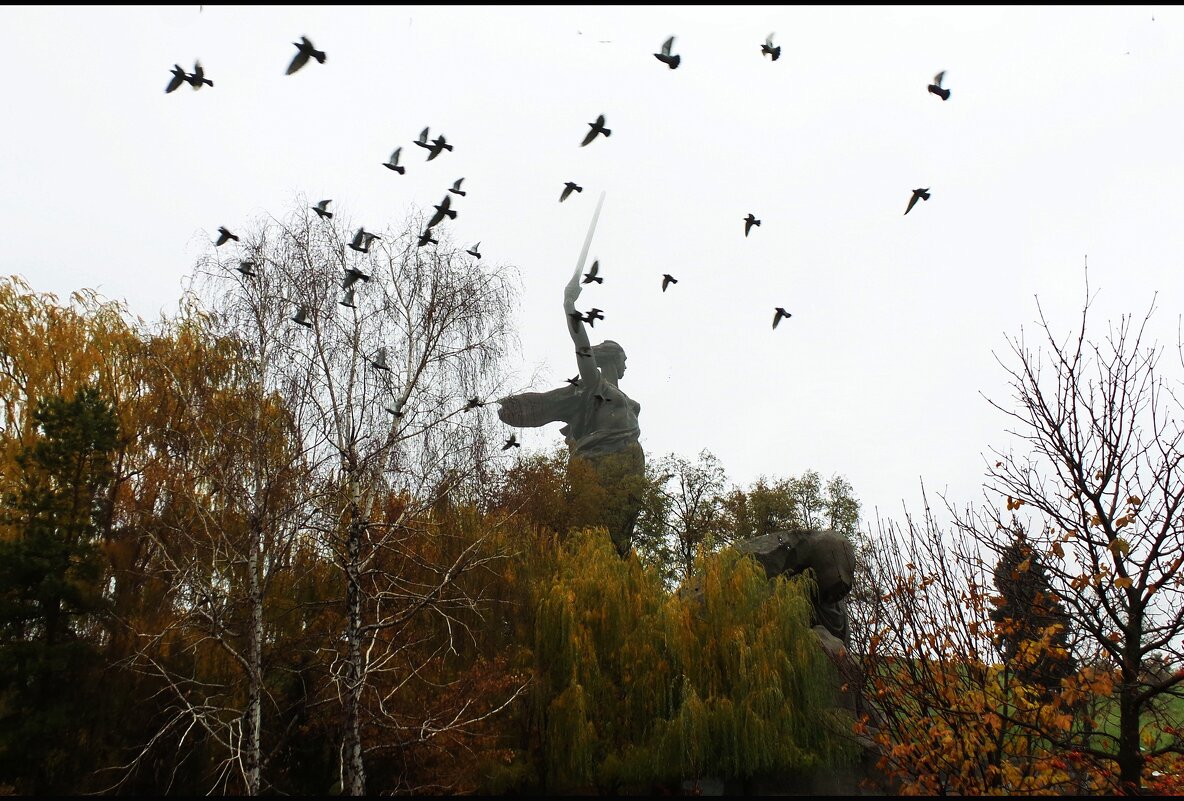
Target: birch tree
{"points": [[220, 500], [386, 372]]}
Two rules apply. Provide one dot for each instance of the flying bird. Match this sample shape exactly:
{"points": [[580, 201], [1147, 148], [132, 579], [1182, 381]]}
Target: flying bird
{"points": [[568, 188], [597, 128], [301, 317], [512, 442], [918, 194], [473, 404], [426, 237], [778, 314], [359, 242], [667, 280], [575, 382], [305, 50], [322, 210], [439, 144], [198, 76], [665, 57], [443, 210], [767, 49], [177, 79], [393, 163], [750, 221], [352, 276], [224, 236], [935, 87], [379, 361], [593, 316], [422, 141], [456, 190], [474, 252], [362, 240], [348, 300], [591, 275], [247, 268]]}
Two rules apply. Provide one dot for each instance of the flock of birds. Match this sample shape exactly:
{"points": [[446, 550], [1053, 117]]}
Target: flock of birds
{"points": [[305, 51]]}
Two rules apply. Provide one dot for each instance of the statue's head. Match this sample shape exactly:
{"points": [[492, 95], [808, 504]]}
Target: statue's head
{"points": [[610, 354]]}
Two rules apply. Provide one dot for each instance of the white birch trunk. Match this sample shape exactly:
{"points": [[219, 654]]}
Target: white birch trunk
{"points": [[254, 716], [353, 770]]}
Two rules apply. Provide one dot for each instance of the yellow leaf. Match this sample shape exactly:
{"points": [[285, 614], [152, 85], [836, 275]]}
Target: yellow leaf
{"points": [[1119, 547], [1123, 581], [1025, 565]]}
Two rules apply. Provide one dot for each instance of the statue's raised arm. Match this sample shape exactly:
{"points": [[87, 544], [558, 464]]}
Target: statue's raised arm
{"points": [[585, 357]]}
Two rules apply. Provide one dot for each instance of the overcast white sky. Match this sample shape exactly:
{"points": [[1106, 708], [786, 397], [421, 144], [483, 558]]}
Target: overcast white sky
{"points": [[1062, 137]]}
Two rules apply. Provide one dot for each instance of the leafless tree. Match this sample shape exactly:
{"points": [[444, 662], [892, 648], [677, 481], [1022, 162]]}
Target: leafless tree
{"points": [[1095, 484], [1102, 481], [388, 380]]}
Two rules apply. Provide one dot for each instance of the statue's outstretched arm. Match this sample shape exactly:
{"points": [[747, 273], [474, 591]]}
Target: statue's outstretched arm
{"points": [[529, 409]]}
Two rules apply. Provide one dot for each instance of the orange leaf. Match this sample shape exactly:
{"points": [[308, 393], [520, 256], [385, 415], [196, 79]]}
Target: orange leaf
{"points": [[1123, 581]]}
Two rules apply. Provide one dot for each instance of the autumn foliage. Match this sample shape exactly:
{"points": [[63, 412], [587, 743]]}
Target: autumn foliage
{"points": [[222, 571], [508, 648], [1063, 677]]}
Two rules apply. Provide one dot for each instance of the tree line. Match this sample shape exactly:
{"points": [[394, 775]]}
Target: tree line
{"points": [[244, 555]]}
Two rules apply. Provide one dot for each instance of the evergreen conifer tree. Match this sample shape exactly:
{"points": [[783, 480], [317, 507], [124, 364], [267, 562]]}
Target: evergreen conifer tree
{"points": [[50, 591], [1031, 624]]}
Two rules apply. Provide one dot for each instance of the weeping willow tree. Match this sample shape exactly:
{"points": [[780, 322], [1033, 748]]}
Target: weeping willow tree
{"points": [[638, 686]]}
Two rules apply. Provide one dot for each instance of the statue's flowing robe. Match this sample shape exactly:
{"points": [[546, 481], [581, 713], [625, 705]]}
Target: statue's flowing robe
{"points": [[614, 453]]}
